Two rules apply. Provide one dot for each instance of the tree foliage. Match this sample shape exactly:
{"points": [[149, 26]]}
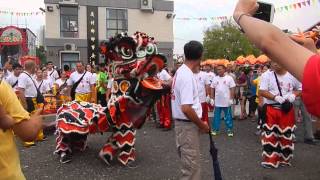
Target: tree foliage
{"points": [[41, 54], [227, 42]]}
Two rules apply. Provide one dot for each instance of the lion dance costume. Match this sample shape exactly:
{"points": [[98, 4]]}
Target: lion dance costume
{"points": [[134, 62]]}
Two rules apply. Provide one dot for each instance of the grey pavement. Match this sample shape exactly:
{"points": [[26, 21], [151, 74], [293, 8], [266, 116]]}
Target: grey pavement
{"points": [[157, 158]]}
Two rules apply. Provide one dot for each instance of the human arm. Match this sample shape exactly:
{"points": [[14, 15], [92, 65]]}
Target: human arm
{"points": [[271, 40], [266, 94], [22, 97], [6, 122], [18, 118], [27, 130]]}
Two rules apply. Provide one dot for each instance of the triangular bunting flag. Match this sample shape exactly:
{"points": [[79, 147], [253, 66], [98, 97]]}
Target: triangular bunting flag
{"points": [[304, 3], [299, 4], [286, 7], [294, 6], [291, 6], [309, 2]]}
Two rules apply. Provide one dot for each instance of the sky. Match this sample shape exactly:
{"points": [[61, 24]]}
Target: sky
{"points": [[184, 31]]}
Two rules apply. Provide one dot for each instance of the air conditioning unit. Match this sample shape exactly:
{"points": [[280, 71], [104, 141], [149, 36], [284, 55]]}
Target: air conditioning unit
{"points": [[146, 5], [70, 47]]}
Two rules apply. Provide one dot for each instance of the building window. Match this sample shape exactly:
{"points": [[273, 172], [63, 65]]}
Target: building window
{"points": [[70, 59], [69, 22], [117, 21]]}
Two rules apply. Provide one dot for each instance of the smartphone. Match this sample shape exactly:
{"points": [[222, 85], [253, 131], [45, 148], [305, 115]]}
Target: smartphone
{"points": [[265, 12]]}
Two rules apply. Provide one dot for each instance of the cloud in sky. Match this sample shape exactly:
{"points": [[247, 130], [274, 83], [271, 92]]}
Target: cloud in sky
{"points": [[183, 30]]}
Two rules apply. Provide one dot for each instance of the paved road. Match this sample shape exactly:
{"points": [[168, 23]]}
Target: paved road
{"points": [[157, 159]]}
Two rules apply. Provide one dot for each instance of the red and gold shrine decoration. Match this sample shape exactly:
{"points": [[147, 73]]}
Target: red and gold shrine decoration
{"points": [[11, 35]]}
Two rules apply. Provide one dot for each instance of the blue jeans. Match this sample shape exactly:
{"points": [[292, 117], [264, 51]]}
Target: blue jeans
{"points": [[227, 118]]}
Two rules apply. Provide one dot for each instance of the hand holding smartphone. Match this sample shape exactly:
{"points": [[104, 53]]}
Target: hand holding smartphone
{"points": [[265, 12]]}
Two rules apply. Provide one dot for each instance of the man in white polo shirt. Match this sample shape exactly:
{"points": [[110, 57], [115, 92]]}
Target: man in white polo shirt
{"points": [[187, 112], [81, 84]]}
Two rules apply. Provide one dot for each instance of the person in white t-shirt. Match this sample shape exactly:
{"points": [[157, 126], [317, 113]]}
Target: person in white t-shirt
{"points": [[42, 84], [7, 69], [187, 112], [28, 93], [278, 122], [223, 94], [13, 78], [83, 84], [52, 73], [47, 80], [94, 76], [209, 70], [163, 105], [203, 82]]}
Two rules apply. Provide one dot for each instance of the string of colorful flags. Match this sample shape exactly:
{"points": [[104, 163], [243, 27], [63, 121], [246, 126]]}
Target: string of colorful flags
{"points": [[282, 9], [298, 5], [14, 13]]}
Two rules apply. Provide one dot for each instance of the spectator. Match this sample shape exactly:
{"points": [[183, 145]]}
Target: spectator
{"points": [[102, 82], [91, 69], [14, 120], [60, 88], [66, 69], [13, 78], [81, 84], [7, 69], [28, 94], [252, 93], [242, 85], [302, 62], [259, 98], [163, 105], [307, 121], [51, 72], [42, 85], [223, 94], [187, 112], [47, 81], [204, 82]]}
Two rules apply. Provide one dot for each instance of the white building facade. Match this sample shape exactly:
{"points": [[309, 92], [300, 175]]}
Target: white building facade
{"points": [[75, 28]]}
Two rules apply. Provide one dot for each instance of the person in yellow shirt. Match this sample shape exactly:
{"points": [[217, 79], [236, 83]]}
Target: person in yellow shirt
{"points": [[14, 119]]}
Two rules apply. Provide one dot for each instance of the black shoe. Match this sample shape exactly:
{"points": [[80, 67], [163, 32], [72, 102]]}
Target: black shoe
{"points": [[132, 165], [65, 158], [311, 141]]}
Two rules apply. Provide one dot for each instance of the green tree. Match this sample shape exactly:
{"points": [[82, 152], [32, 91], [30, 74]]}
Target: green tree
{"points": [[226, 41], [41, 54]]}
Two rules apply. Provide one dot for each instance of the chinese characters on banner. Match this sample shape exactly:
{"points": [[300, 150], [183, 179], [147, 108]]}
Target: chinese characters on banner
{"points": [[92, 35]]}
